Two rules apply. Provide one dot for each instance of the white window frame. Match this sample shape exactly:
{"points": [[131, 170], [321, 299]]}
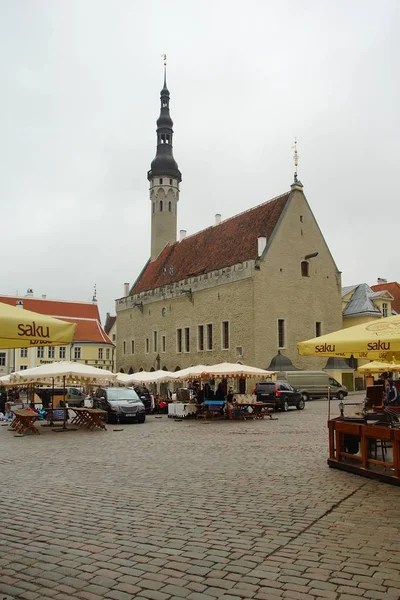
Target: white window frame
{"points": [[62, 352], [223, 337], [3, 359], [100, 353], [77, 353], [51, 351], [40, 352], [24, 353], [385, 309], [284, 333], [107, 353]]}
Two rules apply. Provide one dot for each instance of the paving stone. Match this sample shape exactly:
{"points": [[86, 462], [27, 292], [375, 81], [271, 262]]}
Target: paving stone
{"points": [[174, 590]]}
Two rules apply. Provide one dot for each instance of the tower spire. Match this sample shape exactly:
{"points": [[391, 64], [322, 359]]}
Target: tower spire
{"points": [[164, 177], [296, 181]]}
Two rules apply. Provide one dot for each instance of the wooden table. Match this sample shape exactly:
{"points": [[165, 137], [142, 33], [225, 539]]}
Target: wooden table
{"points": [[259, 410], [24, 421], [89, 418]]}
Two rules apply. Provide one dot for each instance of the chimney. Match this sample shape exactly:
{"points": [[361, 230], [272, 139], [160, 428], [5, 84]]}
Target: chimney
{"points": [[126, 289], [107, 316], [182, 234], [44, 296], [19, 304], [29, 293], [217, 219], [381, 280], [262, 243]]}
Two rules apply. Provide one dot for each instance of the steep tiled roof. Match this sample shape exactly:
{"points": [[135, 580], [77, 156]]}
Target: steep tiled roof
{"points": [[231, 242], [109, 323], [84, 314], [394, 289]]}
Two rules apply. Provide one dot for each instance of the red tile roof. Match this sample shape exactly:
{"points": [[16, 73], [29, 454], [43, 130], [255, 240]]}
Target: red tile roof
{"points": [[110, 320], [393, 288], [231, 242], [84, 314]]}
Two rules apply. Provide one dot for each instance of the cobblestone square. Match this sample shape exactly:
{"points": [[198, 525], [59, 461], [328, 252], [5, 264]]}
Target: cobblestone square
{"points": [[185, 509]]}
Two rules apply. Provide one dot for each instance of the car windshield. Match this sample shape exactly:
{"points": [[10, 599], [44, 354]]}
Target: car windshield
{"points": [[266, 387], [118, 394]]}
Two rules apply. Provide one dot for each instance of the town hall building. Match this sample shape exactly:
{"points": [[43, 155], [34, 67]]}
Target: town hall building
{"points": [[245, 289]]}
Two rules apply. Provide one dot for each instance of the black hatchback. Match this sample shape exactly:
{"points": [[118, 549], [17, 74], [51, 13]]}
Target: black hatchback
{"points": [[121, 404], [280, 394]]}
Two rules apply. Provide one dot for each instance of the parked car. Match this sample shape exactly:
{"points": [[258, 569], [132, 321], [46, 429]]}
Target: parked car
{"points": [[121, 404], [146, 398], [280, 394], [314, 384]]}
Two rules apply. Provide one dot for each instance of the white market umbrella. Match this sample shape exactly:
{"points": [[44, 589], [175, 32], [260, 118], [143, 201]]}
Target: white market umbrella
{"points": [[189, 373], [144, 377], [64, 372], [235, 370]]}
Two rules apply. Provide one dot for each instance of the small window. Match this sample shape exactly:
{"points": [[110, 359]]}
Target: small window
{"points": [[108, 354], [384, 309], [179, 340], [100, 353], [209, 336], [114, 337], [281, 333], [171, 181], [62, 352], [200, 338], [23, 367], [305, 268], [155, 341], [147, 345], [301, 218], [77, 353], [225, 335], [124, 347], [163, 343], [132, 346], [40, 352], [160, 181], [24, 353], [170, 206], [318, 328], [51, 352], [161, 205], [2, 359], [187, 339]]}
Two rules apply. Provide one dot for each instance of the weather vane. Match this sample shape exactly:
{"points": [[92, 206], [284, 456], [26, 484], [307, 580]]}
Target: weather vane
{"points": [[94, 299], [296, 159], [164, 57]]}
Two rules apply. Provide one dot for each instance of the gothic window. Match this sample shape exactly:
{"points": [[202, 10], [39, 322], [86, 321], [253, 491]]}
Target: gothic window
{"points": [[160, 181], [161, 205], [163, 138], [305, 271], [169, 206], [167, 139]]}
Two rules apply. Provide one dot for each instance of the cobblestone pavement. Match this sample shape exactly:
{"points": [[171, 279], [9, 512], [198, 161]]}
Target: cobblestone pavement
{"points": [[170, 510]]}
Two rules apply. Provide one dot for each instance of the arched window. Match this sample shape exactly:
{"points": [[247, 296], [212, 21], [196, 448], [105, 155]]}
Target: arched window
{"points": [[161, 205], [305, 268], [169, 206], [130, 372], [141, 369], [121, 370]]}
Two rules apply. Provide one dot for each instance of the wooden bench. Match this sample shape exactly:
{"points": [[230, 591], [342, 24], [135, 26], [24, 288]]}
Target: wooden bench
{"points": [[24, 421]]}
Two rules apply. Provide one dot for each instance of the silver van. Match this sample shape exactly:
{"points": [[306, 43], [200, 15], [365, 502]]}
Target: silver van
{"points": [[314, 384]]}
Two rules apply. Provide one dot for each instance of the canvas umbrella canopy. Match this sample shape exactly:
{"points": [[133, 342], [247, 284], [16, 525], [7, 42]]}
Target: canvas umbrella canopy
{"points": [[144, 377], [376, 367], [378, 339], [21, 328], [190, 373], [64, 372], [235, 370]]}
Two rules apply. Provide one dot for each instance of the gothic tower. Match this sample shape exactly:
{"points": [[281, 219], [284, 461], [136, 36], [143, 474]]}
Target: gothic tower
{"points": [[164, 178]]}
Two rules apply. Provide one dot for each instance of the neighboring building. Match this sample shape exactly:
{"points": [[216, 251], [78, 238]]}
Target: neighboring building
{"points": [[238, 291], [393, 288], [110, 328], [91, 345], [361, 304]]}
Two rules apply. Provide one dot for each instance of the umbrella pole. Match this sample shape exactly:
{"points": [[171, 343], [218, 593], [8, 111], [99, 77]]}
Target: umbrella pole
{"points": [[65, 406], [52, 404]]}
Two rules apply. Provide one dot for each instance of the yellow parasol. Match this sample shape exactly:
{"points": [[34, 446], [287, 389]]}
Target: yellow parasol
{"points": [[378, 339], [21, 328]]}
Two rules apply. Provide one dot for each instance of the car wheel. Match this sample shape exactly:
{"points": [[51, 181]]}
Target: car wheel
{"points": [[340, 396], [141, 420], [301, 404], [304, 397], [284, 405]]}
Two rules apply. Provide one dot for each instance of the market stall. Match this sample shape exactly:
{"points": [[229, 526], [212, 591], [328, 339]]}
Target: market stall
{"points": [[365, 438]]}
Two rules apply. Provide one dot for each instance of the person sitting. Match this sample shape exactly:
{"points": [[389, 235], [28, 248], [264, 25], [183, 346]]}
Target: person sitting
{"points": [[391, 393], [199, 395], [229, 404]]}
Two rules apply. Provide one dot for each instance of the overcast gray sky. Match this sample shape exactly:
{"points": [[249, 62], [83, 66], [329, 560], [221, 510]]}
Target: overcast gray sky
{"points": [[80, 97]]}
